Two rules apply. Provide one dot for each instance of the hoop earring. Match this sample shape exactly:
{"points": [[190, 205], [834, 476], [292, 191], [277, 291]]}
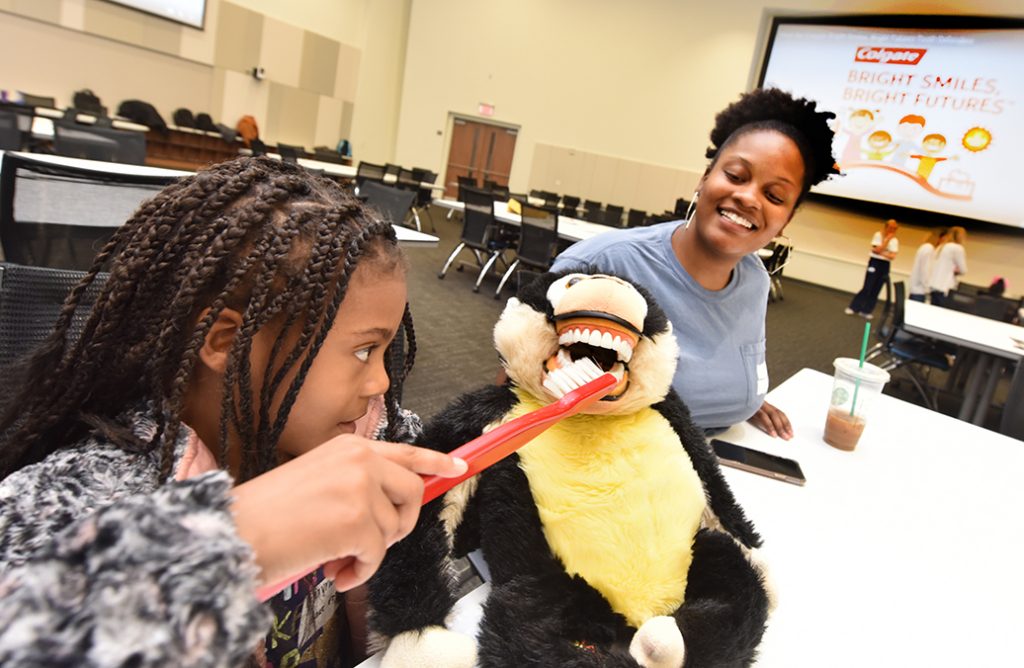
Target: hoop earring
{"points": [[690, 208]]}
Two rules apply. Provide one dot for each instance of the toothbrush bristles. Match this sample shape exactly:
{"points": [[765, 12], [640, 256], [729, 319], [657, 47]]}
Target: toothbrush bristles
{"points": [[563, 380]]}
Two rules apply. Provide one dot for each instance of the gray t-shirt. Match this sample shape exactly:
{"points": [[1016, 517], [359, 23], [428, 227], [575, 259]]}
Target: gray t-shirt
{"points": [[722, 376]]}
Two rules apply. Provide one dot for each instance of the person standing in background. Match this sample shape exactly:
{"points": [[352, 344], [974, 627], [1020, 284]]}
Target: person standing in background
{"points": [[950, 264], [884, 246], [923, 261]]}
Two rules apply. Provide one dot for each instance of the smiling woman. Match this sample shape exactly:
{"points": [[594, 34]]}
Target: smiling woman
{"points": [[767, 150]]}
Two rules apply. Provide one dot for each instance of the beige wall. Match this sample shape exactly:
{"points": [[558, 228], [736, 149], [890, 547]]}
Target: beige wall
{"points": [[164, 81], [379, 95], [637, 82], [314, 53]]}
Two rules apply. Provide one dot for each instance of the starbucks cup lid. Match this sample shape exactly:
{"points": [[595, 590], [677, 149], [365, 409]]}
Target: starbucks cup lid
{"points": [[868, 373]]}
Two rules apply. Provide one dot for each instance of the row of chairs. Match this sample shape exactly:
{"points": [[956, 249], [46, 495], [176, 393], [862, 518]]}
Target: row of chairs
{"points": [[534, 242], [411, 180], [570, 206], [919, 356]]}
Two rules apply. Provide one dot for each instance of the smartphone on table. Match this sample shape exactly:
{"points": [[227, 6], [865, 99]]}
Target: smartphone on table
{"points": [[755, 461]]}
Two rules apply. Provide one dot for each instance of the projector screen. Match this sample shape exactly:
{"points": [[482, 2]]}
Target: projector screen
{"points": [[189, 12], [927, 117]]}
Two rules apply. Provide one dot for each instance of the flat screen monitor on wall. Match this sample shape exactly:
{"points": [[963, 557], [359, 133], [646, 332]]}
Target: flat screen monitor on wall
{"points": [[929, 110], [189, 12]]}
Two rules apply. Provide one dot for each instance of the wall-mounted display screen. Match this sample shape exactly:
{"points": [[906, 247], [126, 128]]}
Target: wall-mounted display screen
{"points": [[929, 109], [189, 12]]}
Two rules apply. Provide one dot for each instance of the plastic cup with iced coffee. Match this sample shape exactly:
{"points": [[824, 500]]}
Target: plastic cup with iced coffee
{"points": [[854, 389]]}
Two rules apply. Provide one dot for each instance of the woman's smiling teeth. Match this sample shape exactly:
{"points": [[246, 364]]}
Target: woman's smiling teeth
{"points": [[736, 218]]}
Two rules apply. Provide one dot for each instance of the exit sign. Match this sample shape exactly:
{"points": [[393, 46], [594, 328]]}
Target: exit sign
{"points": [[485, 109]]}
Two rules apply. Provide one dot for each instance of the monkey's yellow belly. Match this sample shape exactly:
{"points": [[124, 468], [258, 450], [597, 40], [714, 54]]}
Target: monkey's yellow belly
{"points": [[620, 503]]}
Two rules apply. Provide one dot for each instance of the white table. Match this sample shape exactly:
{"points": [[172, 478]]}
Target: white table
{"points": [[42, 122], [344, 171], [571, 229], [904, 552], [100, 165], [995, 340]]}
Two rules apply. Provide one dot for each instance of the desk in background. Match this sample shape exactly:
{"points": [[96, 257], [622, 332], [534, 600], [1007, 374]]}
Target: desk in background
{"points": [[994, 340], [571, 229], [904, 552]]}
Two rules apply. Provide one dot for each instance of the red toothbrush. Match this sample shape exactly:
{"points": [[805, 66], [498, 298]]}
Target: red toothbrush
{"points": [[578, 386]]}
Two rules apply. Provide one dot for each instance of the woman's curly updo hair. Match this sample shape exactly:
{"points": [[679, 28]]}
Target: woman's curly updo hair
{"points": [[776, 110], [267, 239]]}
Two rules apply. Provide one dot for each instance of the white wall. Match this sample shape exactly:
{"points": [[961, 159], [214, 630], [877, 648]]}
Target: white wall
{"points": [[639, 80]]}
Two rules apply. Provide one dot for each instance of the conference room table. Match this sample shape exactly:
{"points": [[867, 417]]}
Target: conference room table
{"points": [[343, 171], [406, 236], [903, 552], [571, 229], [42, 122], [996, 343]]}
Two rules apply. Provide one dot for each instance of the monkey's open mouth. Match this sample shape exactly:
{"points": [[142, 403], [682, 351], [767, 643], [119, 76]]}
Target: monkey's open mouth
{"points": [[604, 338]]}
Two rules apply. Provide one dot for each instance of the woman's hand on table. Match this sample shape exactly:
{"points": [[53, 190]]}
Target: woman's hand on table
{"points": [[772, 421]]}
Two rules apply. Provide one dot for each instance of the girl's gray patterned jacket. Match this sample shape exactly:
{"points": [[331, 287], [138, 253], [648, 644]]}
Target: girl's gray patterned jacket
{"points": [[104, 564]]}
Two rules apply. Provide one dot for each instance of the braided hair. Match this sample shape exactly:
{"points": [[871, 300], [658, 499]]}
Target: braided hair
{"points": [[776, 110], [262, 237]]}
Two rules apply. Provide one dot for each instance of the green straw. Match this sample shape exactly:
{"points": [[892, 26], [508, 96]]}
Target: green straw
{"points": [[863, 354]]}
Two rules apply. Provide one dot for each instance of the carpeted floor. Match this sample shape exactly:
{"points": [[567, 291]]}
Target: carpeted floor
{"points": [[455, 351]]}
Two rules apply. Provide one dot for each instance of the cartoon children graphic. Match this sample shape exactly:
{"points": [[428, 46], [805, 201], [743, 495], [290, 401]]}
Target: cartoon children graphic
{"points": [[879, 145], [858, 124], [931, 145], [908, 131]]}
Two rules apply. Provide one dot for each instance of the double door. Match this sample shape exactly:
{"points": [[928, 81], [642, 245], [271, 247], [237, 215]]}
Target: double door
{"points": [[479, 150]]}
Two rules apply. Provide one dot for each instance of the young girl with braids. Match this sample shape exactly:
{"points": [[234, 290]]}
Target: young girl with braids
{"points": [[198, 439], [768, 149]]}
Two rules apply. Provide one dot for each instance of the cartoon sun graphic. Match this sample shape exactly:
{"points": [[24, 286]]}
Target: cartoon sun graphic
{"points": [[977, 139]]}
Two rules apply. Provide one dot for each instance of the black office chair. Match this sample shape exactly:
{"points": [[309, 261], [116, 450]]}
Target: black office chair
{"points": [[538, 241], [570, 206], [904, 350], [960, 301], [424, 195], [31, 298], [681, 207], [30, 100], [258, 147], [393, 204], [407, 180], [995, 308], [636, 218], [53, 215], [612, 216], [774, 264], [391, 169], [99, 143], [480, 233], [469, 180], [327, 154], [592, 211], [500, 191], [13, 127], [550, 199], [367, 171], [290, 153]]}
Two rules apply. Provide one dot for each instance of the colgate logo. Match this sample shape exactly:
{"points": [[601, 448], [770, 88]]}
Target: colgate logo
{"points": [[884, 55]]}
